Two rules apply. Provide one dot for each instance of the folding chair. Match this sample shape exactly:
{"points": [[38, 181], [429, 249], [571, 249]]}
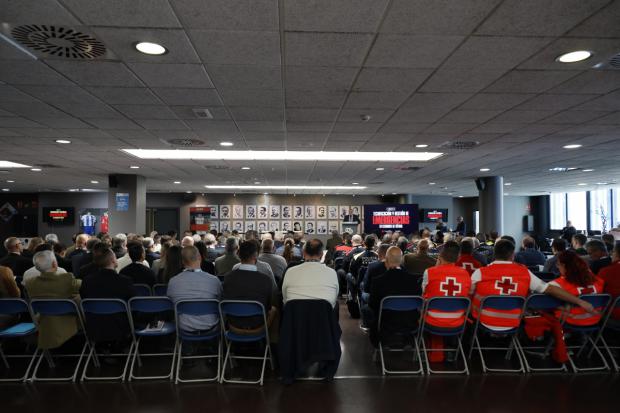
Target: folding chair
{"points": [[106, 307], [151, 305], [401, 303], [610, 327], [446, 307], [142, 290], [598, 301], [240, 308], [15, 307], [535, 303], [160, 290], [197, 308], [58, 307], [506, 303]]}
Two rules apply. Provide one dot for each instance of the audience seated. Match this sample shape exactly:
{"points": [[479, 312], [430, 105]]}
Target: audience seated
{"points": [[33, 272], [557, 246], [81, 260], [150, 254], [119, 244], [126, 260], [418, 262], [375, 269], [54, 331], [14, 259], [363, 259], [277, 263], [356, 248], [206, 265], [577, 244], [226, 262], [211, 245], [173, 264], [87, 269], [60, 251], [137, 272], [8, 286], [599, 258], [611, 276], [79, 249], [609, 241], [187, 241], [529, 255], [466, 259]]}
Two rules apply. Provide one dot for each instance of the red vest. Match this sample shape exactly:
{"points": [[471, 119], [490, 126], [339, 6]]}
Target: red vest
{"points": [[446, 281], [469, 263], [577, 315], [500, 279]]}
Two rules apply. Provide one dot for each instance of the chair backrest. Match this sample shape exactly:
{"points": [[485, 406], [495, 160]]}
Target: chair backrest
{"points": [[198, 307], [241, 308], [503, 302], [151, 304], [104, 306], [400, 303], [160, 290], [13, 306], [142, 290], [543, 302], [46, 306], [597, 300], [448, 304]]}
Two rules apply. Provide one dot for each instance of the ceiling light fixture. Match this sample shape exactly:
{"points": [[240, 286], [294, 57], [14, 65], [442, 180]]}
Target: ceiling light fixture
{"points": [[422, 145], [63, 141], [9, 164], [572, 146], [134, 167], [484, 169], [380, 169], [10, 181], [355, 183], [246, 168], [582, 184], [94, 182], [572, 57], [188, 154], [5, 189], [177, 182], [587, 170], [284, 187], [257, 183], [35, 169], [226, 144], [507, 184], [150, 48], [431, 183]]}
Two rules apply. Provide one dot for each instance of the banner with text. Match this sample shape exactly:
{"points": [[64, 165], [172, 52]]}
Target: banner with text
{"points": [[391, 217]]}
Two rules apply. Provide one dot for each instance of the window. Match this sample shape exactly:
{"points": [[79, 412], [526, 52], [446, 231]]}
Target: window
{"points": [[600, 200], [577, 210], [558, 210], [615, 210]]}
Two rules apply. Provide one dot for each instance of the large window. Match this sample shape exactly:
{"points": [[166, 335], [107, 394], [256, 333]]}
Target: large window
{"points": [[616, 209], [558, 210], [600, 205], [577, 210]]}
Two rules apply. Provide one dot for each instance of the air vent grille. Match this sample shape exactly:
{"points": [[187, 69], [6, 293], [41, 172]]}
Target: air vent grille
{"points": [[614, 61], [459, 145], [409, 168], [186, 142], [58, 41]]}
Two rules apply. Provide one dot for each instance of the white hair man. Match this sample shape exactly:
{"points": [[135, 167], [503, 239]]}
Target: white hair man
{"points": [[51, 239], [14, 259], [187, 241], [35, 271]]}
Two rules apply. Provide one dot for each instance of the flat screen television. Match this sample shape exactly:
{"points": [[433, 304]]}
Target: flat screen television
{"points": [[59, 215], [433, 215]]}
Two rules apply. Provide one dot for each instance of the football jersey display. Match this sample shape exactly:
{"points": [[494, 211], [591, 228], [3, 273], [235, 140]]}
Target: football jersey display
{"points": [[88, 223]]}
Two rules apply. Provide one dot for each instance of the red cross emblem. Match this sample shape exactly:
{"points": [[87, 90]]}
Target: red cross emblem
{"points": [[506, 286], [468, 266], [590, 289], [450, 287]]}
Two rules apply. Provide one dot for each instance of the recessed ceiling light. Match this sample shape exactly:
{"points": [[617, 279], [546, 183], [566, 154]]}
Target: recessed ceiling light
{"points": [[284, 187], [393, 193], [576, 56], [134, 167], [188, 192], [602, 183], [572, 146], [422, 145], [62, 141], [325, 156], [587, 170], [460, 196], [94, 182], [380, 169], [246, 168], [150, 48], [9, 164], [10, 181], [177, 182], [582, 184], [431, 183], [355, 183], [226, 144], [6, 189], [257, 183], [73, 190], [36, 169], [507, 184], [484, 169]]}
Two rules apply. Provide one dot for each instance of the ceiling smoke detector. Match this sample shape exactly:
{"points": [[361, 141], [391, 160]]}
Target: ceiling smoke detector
{"points": [[58, 41], [459, 145], [185, 142], [202, 113]]}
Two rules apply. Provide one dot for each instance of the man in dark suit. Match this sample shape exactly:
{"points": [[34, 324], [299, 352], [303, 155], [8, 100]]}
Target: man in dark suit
{"points": [[350, 217], [460, 226], [395, 281], [568, 231], [136, 271], [14, 259], [80, 260]]}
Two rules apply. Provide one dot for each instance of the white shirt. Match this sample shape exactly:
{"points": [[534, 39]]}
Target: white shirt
{"points": [[33, 273], [125, 260], [310, 281]]}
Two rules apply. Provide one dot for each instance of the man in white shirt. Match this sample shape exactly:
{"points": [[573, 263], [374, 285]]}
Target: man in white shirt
{"points": [[311, 280]]}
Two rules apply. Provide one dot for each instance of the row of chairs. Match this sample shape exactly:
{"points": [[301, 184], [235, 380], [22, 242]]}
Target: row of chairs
{"points": [[593, 335], [153, 306]]}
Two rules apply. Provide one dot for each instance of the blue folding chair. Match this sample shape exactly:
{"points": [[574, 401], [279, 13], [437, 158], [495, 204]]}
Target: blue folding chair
{"points": [[105, 307], [537, 303], [197, 308], [142, 290], [240, 308], [401, 303], [51, 308], [16, 307], [151, 305], [598, 301], [506, 303], [446, 308], [610, 327], [160, 290]]}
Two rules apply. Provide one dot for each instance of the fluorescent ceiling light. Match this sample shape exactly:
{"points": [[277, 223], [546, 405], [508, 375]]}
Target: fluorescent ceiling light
{"points": [[5, 189], [380, 169], [422, 145], [151, 48], [576, 56], [226, 144], [284, 187], [9, 164], [177, 182], [63, 141], [582, 184], [431, 183], [507, 184], [588, 170], [36, 169], [282, 155], [246, 168], [572, 146], [134, 167], [10, 181], [484, 169], [94, 182]]}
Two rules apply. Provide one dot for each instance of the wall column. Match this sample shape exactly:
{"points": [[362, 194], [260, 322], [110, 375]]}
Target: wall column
{"points": [[127, 204], [491, 203]]}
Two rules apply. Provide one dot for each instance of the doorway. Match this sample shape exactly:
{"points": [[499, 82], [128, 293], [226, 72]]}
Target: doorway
{"points": [[162, 220]]}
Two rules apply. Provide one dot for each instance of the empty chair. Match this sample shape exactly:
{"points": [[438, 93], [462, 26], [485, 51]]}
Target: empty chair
{"points": [[197, 308], [240, 308], [153, 306], [16, 307]]}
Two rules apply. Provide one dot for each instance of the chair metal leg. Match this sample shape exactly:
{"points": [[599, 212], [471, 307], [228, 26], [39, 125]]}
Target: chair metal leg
{"points": [[4, 361]]}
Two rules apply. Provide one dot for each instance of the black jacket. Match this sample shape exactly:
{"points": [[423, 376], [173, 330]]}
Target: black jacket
{"points": [[139, 274], [375, 269], [363, 260], [17, 263], [309, 333], [248, 285]]}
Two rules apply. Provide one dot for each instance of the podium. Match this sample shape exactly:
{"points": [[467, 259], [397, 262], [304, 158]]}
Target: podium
{"points": [[350, 227]]}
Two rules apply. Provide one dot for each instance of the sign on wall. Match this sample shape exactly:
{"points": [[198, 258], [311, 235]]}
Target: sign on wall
{"points": [[391, 217], [122, 201]]}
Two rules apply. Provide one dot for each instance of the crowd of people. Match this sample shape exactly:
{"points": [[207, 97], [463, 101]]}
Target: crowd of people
{"points": [[274, 269]]}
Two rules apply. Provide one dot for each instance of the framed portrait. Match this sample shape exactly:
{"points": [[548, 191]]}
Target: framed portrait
{"points": [[225, 226], [310, 227], [357, 210], [334, 226], [321, 227], [332, 212], [225, 212], [321, 212], [344, 210], [286, 226], [214, 211], [262, 227], [298, 212], [237, 226], [298, 226], [250, 212], [287, 212], [250, 226], [263, 212], [274, 226], [214, 225], [274, 212], [310, 212], [237, 211]]}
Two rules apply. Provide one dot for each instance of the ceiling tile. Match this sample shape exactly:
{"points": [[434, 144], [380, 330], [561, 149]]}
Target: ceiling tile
{"points": [[246, 77], [376, 100], [188, 96], [237, 47], [257, 113], [355, 115], [228, 14], [326, 49], [29, 72], [374, 78], [172, 75], [461, 80], [470, 116], [315, 115], [125, 95], [499, 101], [530, 81], [138, 13], [187, 112], [314, 99], [592, 81], [432, 101], [311, 77], [333, 16], [554, 102], [146, 111], [602, 50], [416, 51], [604, 23], [96, 73], [248, 97], [36, 11]]}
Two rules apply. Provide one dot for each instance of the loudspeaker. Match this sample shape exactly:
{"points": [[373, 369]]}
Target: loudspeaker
{"points": [[189, 198], [112, 181], [480, 184]]}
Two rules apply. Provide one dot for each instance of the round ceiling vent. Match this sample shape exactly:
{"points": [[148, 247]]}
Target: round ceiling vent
{"points": [[58, 41], [185, 142]]}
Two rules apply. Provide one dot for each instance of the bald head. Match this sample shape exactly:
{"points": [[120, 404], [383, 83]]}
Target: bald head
{"points": [[191, 257], [81, 240], [356, 240], [187, 242], [393, 257]]}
